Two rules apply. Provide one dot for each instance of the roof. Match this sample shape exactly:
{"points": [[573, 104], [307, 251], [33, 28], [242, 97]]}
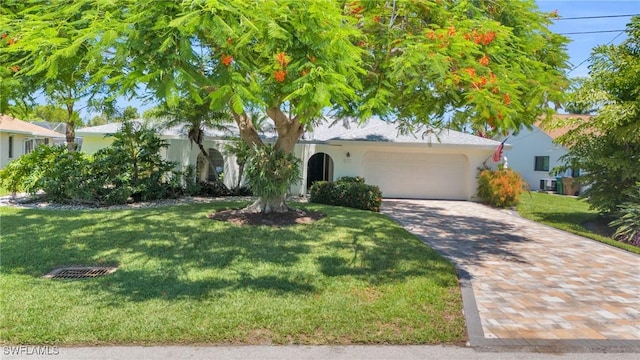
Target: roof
{"points": [[554, 132], [380, 131], [174, 131], [9, 124], [372, 131]]}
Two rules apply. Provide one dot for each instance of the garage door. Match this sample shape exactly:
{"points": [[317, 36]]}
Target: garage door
{"points": [[420, 176]]}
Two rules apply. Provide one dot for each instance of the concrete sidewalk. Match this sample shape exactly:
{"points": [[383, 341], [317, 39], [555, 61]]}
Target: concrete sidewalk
{"points": [[295, 352], [527, 284]]}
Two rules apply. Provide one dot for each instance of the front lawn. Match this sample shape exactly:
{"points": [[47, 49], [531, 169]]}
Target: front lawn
{"points": [[352, 277], [569, 214]]}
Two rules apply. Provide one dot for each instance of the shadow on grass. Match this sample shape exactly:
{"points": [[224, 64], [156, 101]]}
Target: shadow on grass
{"points": [[176, 252]]}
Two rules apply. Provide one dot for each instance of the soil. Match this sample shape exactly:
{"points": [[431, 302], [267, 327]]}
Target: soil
{"points": [[291, 217]]}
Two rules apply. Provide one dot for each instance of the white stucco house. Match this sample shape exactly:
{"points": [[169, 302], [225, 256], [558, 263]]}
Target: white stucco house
{"points": [[19, 137], [436, 165], [534, 154]]}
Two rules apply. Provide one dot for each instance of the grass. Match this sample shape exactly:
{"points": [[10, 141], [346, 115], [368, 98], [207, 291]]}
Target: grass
{"points": [[352, 277], [569, 214]]}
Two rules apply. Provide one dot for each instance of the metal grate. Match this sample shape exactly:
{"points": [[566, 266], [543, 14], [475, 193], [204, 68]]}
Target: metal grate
{"points": [[80, 272]]}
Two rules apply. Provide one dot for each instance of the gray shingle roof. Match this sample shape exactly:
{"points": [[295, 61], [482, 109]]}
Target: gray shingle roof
{"points": [[373, 130]]}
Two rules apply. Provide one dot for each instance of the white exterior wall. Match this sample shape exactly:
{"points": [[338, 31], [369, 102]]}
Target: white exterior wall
{"points": [[186, 153], [354, 164], [525, 147], [92, 143], [18, 147]]}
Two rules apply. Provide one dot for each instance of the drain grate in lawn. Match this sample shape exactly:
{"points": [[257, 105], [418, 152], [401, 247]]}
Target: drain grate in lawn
{"points": [[79, 272]]}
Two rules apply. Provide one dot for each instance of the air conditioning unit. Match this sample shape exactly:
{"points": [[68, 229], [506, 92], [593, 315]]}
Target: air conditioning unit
{"points": [[548, 184]]}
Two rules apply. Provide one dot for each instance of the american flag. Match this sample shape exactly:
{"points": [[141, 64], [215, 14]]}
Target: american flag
{"points": [[497, 155]]}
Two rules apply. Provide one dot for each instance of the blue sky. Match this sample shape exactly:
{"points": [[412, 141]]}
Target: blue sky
{"points": [[580, 47]]}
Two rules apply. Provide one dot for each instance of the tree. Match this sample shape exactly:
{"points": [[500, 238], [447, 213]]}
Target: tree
{"points": [[49, 113], [60, 61], [575, 103], [491, 64], [195, 118], [607, 147]]}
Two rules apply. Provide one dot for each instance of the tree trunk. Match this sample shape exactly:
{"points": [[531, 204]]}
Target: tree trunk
{"points": [[70, 130], [289, 132], [265, 206], [204, 152]]}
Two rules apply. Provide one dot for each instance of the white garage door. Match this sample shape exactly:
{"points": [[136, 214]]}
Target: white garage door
{"points": [[421, 176]]}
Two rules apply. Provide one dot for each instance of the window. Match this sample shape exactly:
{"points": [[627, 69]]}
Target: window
{"points": [[31, 144], [10, 147], [215, 158], [541, 163]]}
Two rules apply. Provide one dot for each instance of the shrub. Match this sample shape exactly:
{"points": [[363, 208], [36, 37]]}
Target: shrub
{"points": [[347, 191], [500, 188], [271, 172], [627, 223], [130, 168]]}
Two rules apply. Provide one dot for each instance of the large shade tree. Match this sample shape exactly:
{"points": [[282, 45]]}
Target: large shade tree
{"points": [[479, 65]]}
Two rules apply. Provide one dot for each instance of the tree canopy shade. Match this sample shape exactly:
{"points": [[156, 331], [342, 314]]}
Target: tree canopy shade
{"points": [[607, 147], [478, 65]]}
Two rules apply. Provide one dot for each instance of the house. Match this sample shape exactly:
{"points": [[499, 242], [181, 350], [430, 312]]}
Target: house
{"points": [[19, 137], [534, 154], [427, 165]]}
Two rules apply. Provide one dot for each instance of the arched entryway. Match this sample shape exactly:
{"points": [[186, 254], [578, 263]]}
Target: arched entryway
{"points": [[319, 168]]}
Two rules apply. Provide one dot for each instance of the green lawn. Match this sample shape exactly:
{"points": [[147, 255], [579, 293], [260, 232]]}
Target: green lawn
{"points": [[569, 214], [352, 277]]}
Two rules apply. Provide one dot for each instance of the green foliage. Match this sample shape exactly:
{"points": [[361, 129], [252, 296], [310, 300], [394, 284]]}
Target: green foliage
{"points": [[347, 191], [271, 172], [133, 162], [606, 148], [500, 188], [628, 222], [130, 168]]}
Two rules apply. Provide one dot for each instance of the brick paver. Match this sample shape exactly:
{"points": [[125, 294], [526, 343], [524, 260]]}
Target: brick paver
{"points": [[531, 281]]}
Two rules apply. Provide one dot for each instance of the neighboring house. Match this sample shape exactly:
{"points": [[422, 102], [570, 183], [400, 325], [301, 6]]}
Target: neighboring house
{"points": [[61, 128], [534, 154], [19, 137], [441, 165]]}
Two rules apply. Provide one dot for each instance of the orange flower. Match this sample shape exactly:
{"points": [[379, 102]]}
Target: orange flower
{"points": [[4, 35], [226, 59], [304, 72], [15, 68], [376, 19], [312, 58], [452, 31], [495, 90], [488, 38], [493, 77], [279, 75], [282, 59], [484, 60], [431, 35], [507, 99], [470, 71]]}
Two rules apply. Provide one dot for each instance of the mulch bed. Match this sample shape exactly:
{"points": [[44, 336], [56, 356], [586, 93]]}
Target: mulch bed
{"points": [[292, 217]]}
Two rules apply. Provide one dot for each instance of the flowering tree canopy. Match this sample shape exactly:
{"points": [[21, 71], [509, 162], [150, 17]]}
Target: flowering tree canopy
{"points": [[478, 65]]}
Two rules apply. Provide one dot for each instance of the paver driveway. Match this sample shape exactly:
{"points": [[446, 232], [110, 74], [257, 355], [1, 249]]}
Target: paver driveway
{"points": [[531, 281]]}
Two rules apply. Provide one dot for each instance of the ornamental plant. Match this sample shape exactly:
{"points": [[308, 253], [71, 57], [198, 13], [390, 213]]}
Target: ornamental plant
{"points": [[628, 222], [500, 188]]}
